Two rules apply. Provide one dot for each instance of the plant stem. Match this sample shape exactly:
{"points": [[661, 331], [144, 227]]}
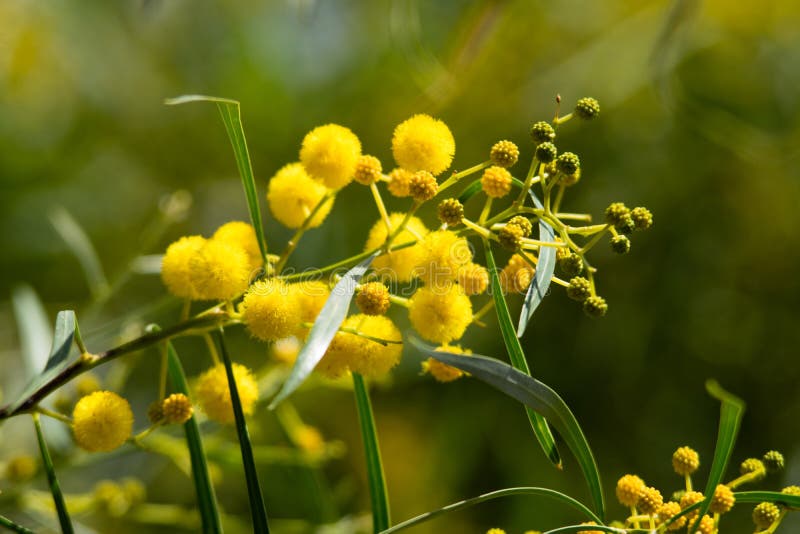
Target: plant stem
{"points": [[55, 488]]}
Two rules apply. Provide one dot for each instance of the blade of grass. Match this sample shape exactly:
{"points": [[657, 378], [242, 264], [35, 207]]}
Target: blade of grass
{"points": [[325, 327], [517, 357], [13, 527], [730, 417], [377, 482], [466, 503], [81, 247], [258, 509], [206, 497], [231, 113], [52, 480], [535, 395], [768, 496], [543, 274]]}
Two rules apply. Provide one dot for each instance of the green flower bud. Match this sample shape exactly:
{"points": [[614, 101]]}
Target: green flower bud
{"points": [[504, 154], [620, 244], [765, 514], [542, 132], [642, 218], [587, 108], [626, 225], [568, 163], [616, 212], [773, 461], [579, 289], [570, 264], [524, 224], [510, 236], [451, 211], [753, 465], [546, 152], [595, 306]]}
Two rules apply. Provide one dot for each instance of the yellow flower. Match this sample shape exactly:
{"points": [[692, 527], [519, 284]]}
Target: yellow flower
{"points": [[102, 421], [441, 371], [440, 314], [214, 396], [630, 489], [473, 278], [516, 276], [271, 310], [292, 195], [241, 234], [397, 265], [423, 143], [219, 271], [399, 182], [351, 352], [330, 153], [666, 511], [311, 296], [176, 409], [21, 468], [175, 270], [368, 170], [443, 254], [373, 298], [496, 182]]}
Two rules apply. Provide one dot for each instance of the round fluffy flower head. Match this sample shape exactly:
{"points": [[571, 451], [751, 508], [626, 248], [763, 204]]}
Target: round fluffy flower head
{"points": [[504, 154], [368, 170], [723, 500], [685, 461], [351, 352], [595, 306], [311, 296], [176, 409], [629, 490], [626, 226], [270, 310], [219, 271], [397, 264], [570, 179], [589, 523], [794, 491], [579, 289], [707, 525], [292, 195], [441, 371], [423, 143], [524, 224], [330, 153], [587, 108], [21, 468], [214, 397], [542, 132], [616, 213], [568, 163], [510, 236], [620, 244], [496, 182], [443, 253], [450, 211], [642, 218], [753, 465], [765, 514], [422, 186], [773, 461], [516, 276], [440, 314], [373, 298], [570, 263], [650, 500], [546, 152], [101, 421], [688, 499], [241, 234], [495, 531], [399, 179], [666, 511], [175, 270], [473, 278]]}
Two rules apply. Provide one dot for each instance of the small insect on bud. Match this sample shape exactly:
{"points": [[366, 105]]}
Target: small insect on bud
{"points": [[546, 152], [422, 186], [616, 213], [773, 461], [523, 223], [620, 244], [579, 289], [451, 211], [510, 236], [568, 163], [373, 299], [642, 218], [570, 263], [496, 182], [765, 514], [542, 132], [595, 306], [368, 170], [587, 108], [504, 154]]}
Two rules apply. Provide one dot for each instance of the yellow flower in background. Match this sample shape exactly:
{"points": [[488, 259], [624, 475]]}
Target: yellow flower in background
{"points": [[243, 235], [219, 271], [292, 195], [330, 153], [443, 253], [101, 421], [398, 264], [440, 314], [214, 397], [423, 143], [175, 269], [351, 352], [271, 310], [441, 371], [311, 296]]}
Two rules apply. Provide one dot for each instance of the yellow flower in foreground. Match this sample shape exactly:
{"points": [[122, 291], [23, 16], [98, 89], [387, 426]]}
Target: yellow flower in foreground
{"points": [[351, 352], [397, 265], [440, 314], [219, 271], [423, 143], [175, 270], [630, 489], [443, 254], [243, 235], [292, 195], [214, 397], [102, 421], [271, 310], [441, 371], [330, 153]]}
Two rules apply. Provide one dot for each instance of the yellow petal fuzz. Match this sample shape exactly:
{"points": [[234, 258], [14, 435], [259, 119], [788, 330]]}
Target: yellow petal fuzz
{"points": [[330, 153], [271, 310], [397, 265], [243, 235], [443, 254], [219, 271], [175, 270], [292, 195], [311, 296], [102, 421], [441, 371], [440, 314], [423, 143], [214, 397], [351, 352]]}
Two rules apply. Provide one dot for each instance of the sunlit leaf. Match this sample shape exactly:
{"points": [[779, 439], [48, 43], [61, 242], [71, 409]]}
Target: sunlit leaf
{"points": [[542, 275]]}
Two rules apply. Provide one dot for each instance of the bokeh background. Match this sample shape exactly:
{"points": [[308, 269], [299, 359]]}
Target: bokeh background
{"points": [[700, 107]]}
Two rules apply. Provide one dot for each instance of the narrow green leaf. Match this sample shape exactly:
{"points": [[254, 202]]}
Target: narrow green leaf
{"points": [[768, 496], [535, 395], [13, 527], [231, 113], [206, 497], [460, 505], [81, 247], [517, 357], [542, 275], [377, 482], [258, 509], [55, 489], [35, 332], [324, 330], [730, 417]]}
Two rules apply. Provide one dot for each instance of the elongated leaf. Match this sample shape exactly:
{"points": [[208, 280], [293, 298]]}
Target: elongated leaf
{"points": [[258, 509], [35, 332], [206, 497], [325, 327], [517, 357], [460, 505], [81, 247], [768, 496], [52, 480], [58, 360], [543, 274], [232, 118], [377, 481], [536, 396], [730, 417], [13, 527]]}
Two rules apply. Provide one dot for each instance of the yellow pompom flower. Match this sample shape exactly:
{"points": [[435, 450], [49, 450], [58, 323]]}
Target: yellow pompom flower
{"points": [[666, 511], [688, 499], [175, 270], [271, 310], [473, 278], [441, 371], [311, 296], [440, 314], [443, 254], [723, 500], [496, 182], [101, 421], [351, 352], [630, 489], [650, 500], [373, 298], [243, 235], [214, 397], [685, 461], [330, 153], [219, 271], [292, 195], [397, 265], [495, 531], [423, 143], [399, 182], [516, 276], [368, 170], [176, 409]]}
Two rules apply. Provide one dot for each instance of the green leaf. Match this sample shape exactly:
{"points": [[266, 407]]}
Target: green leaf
{"points": [[517, 357], [58, 361], [768, 496], [377, 482], [542, 275], [13, 527], [542, 492], [324, 330], [81, 247], [258, 509], [35, 332], [535, 395], [232, 118], [730, 417], [55, 489], [206, 497]]}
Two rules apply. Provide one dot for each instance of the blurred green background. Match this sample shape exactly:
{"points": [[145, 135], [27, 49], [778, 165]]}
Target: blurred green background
{"points": [[700, 107]]}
